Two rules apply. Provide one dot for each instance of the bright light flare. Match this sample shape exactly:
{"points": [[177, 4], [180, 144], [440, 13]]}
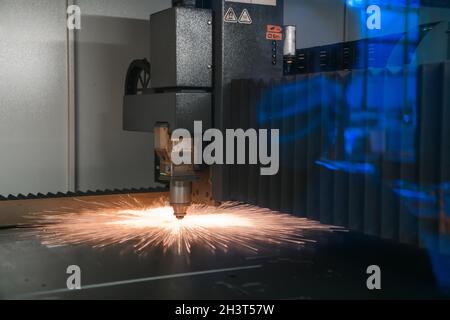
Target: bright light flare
{"points": [[127, 221]]}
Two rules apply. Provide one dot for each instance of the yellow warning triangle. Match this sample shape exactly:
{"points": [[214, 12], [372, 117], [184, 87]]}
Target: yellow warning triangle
{"points": [[245, 17], [231, 16]]}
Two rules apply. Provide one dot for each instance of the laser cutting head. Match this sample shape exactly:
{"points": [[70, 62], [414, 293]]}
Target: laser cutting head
{"points": [[179, 177], [180, 197]]}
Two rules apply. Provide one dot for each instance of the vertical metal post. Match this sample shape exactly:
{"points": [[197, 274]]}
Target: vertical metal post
{"points": [[71, 106]]}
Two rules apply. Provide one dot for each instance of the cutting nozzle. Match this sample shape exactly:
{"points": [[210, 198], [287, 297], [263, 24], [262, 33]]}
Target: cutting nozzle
{"points": [[180, 198], [180, 211]]}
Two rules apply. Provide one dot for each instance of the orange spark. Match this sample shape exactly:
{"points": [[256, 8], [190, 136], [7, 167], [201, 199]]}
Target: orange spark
{"points": [[127, 221]]}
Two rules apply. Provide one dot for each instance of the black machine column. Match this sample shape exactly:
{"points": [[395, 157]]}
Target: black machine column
{"points": [[243, 49]]}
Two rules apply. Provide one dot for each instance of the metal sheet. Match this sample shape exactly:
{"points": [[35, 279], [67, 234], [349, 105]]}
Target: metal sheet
{"points": [[19, 212], [333, 267]]}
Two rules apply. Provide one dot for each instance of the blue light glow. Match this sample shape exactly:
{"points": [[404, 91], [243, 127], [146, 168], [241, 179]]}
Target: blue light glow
{"points": [[349, 167]]}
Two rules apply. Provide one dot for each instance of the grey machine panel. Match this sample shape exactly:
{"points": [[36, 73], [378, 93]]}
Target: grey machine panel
{"points": [[242, 51], [181, 65], [181, 48], [180, 110]]}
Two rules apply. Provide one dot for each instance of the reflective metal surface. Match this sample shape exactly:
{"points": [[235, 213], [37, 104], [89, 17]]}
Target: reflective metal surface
{"points": [[333, 266]]}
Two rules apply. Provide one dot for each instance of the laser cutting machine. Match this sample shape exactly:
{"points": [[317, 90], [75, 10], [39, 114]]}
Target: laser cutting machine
{"points": [[364, 145], [197, 49]]}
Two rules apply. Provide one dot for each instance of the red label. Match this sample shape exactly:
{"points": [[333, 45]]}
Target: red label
{"points": [[274, 36], [274, 29], [274, 33]]}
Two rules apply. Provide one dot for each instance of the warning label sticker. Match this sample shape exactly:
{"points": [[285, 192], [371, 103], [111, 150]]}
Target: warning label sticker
{"points": [[231, 16], [245, 17], [274, 33], [276, 29]]}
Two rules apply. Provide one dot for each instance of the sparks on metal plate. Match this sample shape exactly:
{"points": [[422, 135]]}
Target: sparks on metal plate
{"points": [[128, 221]]}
